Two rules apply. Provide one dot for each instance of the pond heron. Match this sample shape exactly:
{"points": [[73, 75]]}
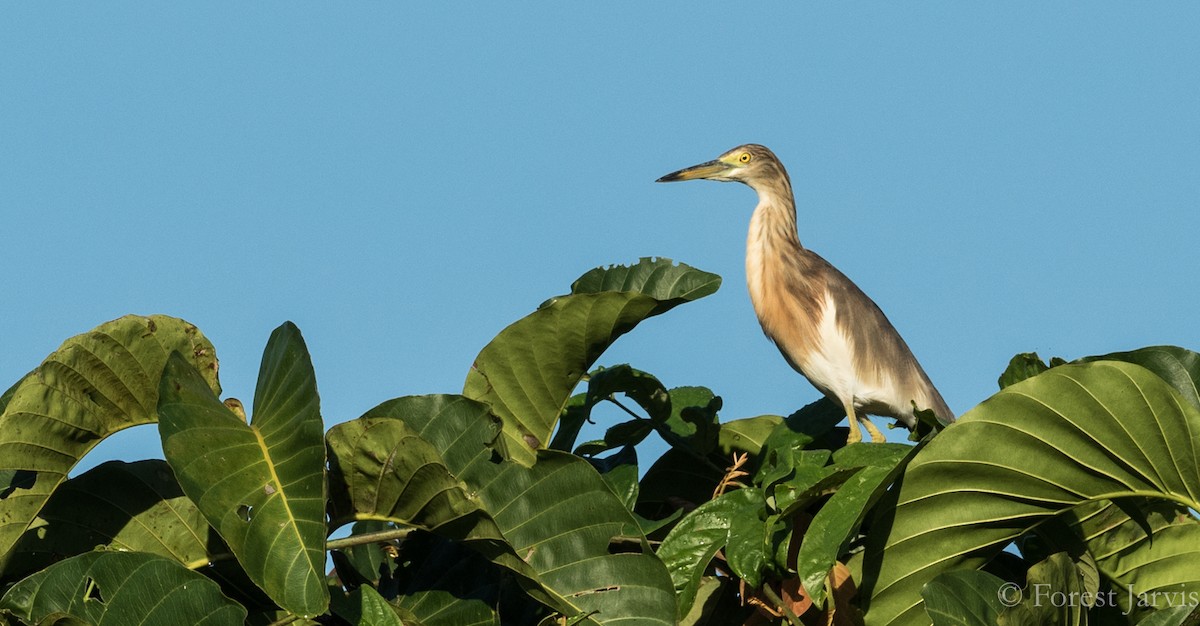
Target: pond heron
{"points": [[825, 326]]}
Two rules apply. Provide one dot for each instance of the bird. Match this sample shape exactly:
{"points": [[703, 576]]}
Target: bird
{"points": [[827, 329]]}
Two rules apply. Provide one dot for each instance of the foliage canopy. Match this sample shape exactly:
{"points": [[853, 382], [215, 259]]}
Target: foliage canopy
{"points": [[1068, 497]]}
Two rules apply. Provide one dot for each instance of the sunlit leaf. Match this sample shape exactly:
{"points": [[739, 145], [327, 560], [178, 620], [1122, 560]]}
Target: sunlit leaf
{"points": [[527, 373], [261, 485], [691, 545], [94, 385], [837, 522], [1073, 435], [966, 598]]}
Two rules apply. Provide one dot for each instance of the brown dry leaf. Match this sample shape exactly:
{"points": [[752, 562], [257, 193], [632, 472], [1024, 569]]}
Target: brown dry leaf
{"points": [[842, 589]]}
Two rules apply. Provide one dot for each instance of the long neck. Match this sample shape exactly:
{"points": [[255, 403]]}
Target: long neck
{"points": [[772, 241]]}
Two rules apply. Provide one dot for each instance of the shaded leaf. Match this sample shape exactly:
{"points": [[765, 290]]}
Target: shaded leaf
{"points": [[268, 499], [1072, 435], [122, 588], [620, 471], [1175, 616], [365, 607], [94, 385], [136, 507], [1055, 575], [449, 585], [552, 524], [367, 563], [526, 374]]}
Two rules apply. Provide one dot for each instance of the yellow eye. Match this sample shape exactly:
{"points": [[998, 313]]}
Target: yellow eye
{"points": [[745, 158]]}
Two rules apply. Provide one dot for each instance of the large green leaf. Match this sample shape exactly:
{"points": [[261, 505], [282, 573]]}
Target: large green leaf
{"points": [[1155, 553], [94, 385], [136, 507], [1073, 435], [526, 374], [122, 588], [1179, 367], [261, 485], [552, 524]]}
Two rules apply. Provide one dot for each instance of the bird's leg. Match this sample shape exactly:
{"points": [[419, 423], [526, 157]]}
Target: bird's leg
{"points": [[876, 436], [852, 415]]}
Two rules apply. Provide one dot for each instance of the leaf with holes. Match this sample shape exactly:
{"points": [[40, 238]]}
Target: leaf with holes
{"points": [[94, 385], [261, 485], [1071, 436], [135, 507], [527, 373], [122, 588]]}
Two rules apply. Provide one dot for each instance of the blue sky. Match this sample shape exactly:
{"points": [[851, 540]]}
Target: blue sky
{"points": [[404, 181]]}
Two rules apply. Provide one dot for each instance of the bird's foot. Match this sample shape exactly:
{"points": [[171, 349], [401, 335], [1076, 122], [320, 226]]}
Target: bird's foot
{"points": [[876, 436]]}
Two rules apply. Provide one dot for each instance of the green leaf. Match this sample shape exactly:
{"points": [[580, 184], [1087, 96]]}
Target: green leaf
{"points": [[748, 549], [365, 563], [836, 524], [658, 278], [1175, 616], [552, 524], [449, 585], [1072, 435], [261, 485], [691, 545], [676, 480], [1179, 367], [94, 385], [642, 388], [1020, 367], [365, 607], [965, 598], [122, 588], [527, 373], [1055, 575], [747, 434], [1154, 554], [620, 471], [135, 507]]}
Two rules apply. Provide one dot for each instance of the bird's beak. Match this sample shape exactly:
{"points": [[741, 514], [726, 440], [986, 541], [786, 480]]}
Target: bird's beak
{"points": [[704, 170]]}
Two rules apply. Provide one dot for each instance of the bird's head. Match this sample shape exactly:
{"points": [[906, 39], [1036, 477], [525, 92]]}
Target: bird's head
{"points": [[751, 164]]}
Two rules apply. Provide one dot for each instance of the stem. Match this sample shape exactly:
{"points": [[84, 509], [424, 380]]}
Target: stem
{"points": [[787, 610], [365, 538]]}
